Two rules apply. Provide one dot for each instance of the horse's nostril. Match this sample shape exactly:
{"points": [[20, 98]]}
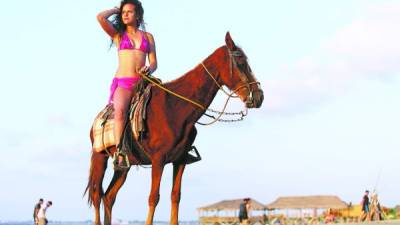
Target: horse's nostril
{"points": [[250, 104]]}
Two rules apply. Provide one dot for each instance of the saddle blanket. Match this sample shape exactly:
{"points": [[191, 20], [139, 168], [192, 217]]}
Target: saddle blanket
{"points": [[103, 125]]}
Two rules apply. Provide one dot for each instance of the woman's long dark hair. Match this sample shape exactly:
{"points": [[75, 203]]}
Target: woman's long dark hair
{"points": [[117, 19]]}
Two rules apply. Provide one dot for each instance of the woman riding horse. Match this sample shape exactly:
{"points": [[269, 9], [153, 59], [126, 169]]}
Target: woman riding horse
{"points": [[170, 122], [134, 45]]}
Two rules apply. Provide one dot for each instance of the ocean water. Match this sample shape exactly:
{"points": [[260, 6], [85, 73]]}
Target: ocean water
{"points": [[91, 222]]}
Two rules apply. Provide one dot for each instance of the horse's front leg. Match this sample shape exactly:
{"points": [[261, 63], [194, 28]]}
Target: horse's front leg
{"points": [[157, 168], [116, 183], [176, 192]]}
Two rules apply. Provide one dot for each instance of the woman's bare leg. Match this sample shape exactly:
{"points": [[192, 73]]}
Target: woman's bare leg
{"points": [[121, 100]]}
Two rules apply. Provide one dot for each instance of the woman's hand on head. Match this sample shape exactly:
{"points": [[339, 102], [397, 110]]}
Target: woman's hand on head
{"points": [[107, 26]]}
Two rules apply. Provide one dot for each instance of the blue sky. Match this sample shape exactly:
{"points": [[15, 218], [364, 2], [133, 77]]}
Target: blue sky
{"points": [[329, 123]]}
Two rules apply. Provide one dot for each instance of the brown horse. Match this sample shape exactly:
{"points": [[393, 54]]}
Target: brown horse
{"points": [[171, 126]]}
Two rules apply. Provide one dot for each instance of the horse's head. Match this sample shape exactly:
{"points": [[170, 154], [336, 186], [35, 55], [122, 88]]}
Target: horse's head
{"points": [[238, 76]]}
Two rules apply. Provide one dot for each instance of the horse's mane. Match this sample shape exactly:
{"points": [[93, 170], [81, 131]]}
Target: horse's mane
{"points": [[172, 83]]}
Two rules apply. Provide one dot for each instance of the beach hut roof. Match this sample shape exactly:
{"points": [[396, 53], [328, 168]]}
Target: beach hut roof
{"points": [[232, 205], [308, 202]]}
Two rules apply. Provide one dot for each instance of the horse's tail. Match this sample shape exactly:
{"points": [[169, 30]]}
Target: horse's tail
{"points": [[98, 166]]}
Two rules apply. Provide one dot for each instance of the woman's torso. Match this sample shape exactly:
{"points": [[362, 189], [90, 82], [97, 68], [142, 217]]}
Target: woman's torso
{"points": [[132, 52]]}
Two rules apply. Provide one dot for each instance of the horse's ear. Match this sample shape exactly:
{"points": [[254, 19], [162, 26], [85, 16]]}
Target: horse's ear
{"points": [[229, 42]]}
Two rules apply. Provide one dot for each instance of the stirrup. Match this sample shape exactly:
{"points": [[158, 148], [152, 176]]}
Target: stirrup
{"points": [[124, 165], [192, 158]]}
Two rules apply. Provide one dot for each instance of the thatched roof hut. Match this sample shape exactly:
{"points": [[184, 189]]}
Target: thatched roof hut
{"points": [[308, 202], [226, 212], [304, 206], [231, 205]]}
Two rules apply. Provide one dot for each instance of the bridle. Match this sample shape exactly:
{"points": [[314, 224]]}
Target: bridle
{"points": [[234, 93], [246, 83]]}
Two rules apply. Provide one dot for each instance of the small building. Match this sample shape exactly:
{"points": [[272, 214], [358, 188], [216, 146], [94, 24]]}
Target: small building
{"points": [[227, 212], [305, 206]]}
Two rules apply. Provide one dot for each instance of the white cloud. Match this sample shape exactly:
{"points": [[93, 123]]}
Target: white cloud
{"points": [[367, 48]]}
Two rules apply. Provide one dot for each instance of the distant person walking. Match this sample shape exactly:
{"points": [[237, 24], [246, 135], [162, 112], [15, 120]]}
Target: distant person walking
{"points": [[244, 208], [365, 207], [375, 212], [42, 212], [36, 210]]}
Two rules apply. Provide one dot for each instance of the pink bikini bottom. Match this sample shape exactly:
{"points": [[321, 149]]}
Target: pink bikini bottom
{"points": [[122, 82]]}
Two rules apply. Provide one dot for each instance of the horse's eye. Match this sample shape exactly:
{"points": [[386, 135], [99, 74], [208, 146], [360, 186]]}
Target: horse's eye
{"points": [[242, 66]]}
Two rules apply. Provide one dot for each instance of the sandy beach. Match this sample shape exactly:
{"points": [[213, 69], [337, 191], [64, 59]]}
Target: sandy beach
{"points": [[389, 222]]}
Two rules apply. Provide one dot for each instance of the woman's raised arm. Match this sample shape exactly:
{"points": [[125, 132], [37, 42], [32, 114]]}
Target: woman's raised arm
{"points": [[107, 26]]}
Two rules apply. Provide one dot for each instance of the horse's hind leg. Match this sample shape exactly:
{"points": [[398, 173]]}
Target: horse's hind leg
{"points": [[116, 183], [176, 192], [98, 167]]}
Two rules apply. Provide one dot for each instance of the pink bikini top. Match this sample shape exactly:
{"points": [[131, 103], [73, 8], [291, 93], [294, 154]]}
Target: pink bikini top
{"points": [[126, 43]]}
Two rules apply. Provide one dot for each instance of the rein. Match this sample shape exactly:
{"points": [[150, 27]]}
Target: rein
{"points": [[171, 92], [230, 95]]}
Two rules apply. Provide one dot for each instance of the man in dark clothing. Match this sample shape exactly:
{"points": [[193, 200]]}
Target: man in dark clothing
{"points": [[243, 211], [36, 210], [365, 207]]}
